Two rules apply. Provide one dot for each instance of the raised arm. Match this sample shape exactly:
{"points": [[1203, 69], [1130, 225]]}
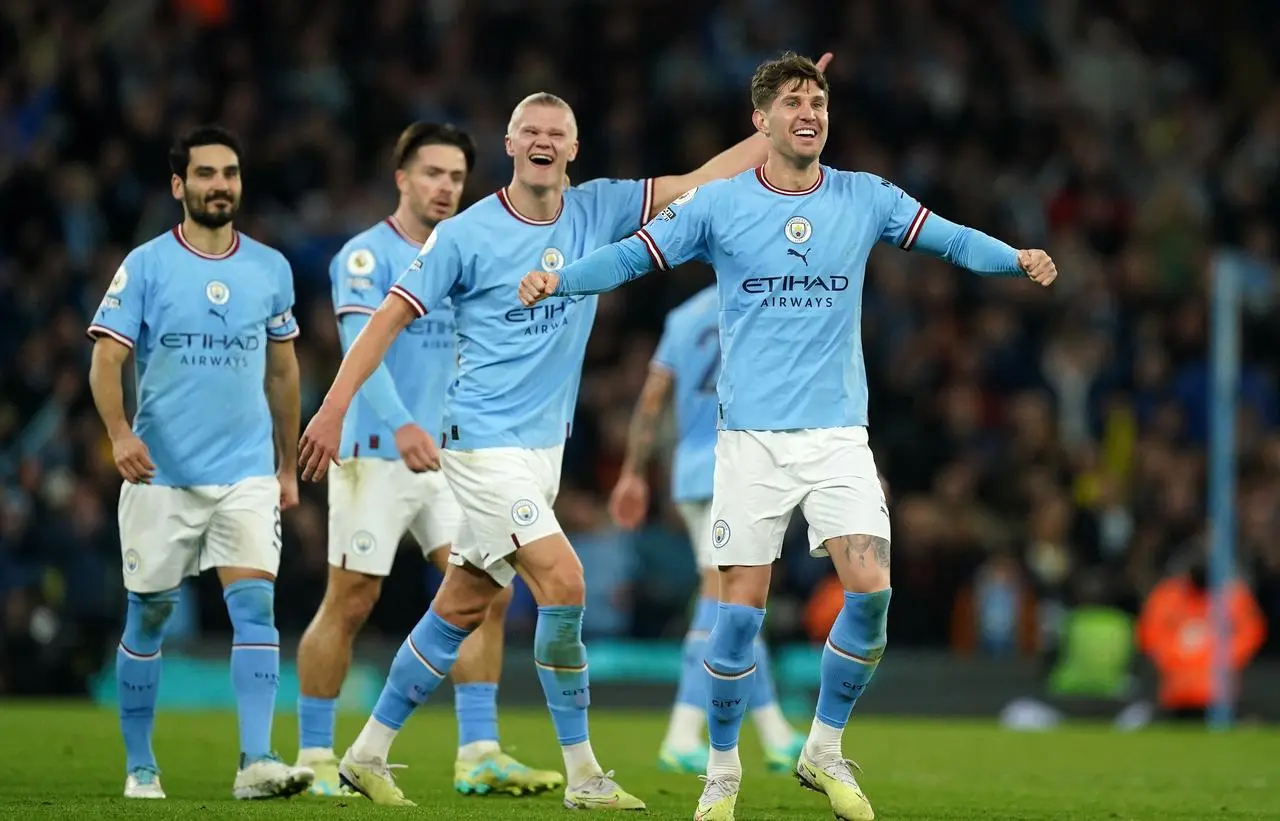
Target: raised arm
{"points": [[733, 160], [913, 227]]}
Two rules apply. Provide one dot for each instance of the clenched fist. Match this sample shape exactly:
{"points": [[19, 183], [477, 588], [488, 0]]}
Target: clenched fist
{"points": [[1038, 266], [537, 286]]}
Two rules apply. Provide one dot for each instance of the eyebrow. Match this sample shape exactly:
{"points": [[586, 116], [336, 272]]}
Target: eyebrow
{"points": [[225, 168]]}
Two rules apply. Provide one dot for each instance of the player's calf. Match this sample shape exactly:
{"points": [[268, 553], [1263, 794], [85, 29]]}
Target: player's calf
{"points": [[138, 684], [324, 657], [730, 665]]}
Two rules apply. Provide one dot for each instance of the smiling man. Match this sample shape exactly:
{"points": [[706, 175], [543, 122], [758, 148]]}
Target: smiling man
{"points": [[385, 488], [208, 314], [789, 243], [506, 422]]}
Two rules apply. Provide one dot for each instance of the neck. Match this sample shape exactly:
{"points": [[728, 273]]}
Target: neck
{"points": [[412, 227], [791, 174], [535, 203], [211, 241]]}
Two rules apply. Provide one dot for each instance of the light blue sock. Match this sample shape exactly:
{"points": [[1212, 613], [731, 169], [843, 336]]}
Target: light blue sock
{"points": [[763, 692], [255, 662], [476, 705], [692, 689], [730, 663], [138, 673], [316, 718], [854, 647], [561, 659], [421, 663]]}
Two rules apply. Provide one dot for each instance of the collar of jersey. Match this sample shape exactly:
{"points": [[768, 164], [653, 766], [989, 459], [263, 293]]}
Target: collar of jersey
{"points": [[773, 189], [182, 240], [511, 209]]}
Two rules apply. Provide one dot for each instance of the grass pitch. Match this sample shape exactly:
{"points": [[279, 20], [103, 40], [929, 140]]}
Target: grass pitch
{"points": [[66, 762]]}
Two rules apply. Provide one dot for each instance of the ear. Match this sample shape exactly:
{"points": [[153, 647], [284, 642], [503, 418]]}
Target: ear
{"points": [[573, 151], [176, 187], [402, 180], [760, 121], [511, 149]]}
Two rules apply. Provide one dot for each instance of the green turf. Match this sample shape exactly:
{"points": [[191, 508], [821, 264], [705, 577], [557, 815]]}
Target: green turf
{"points": [[65, 762]]}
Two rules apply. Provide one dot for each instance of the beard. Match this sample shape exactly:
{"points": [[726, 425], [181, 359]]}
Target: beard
{"points": [[203, 213]]}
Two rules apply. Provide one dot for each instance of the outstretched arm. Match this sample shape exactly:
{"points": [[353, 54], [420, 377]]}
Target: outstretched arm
{"points": [[602, 270], [733, 160]]}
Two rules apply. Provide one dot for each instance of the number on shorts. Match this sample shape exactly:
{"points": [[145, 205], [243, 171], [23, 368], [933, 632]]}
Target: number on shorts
{"points": [[277, 540], [709, 338]]}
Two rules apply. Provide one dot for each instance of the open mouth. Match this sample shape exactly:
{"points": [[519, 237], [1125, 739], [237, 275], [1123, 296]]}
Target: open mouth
{"points": [[541, 159], [808, 133]]}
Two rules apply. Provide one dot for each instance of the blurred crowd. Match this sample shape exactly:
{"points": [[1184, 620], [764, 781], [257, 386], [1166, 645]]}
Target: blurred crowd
{"points": [[1035, 443]]}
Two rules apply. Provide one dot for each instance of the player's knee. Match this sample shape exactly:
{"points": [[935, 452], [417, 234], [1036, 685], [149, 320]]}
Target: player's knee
{"points": [[349, 601], [861, 627], [746, 585], [563, 585], [732, 642], [461, 608], [251, 607], [148, 615]]}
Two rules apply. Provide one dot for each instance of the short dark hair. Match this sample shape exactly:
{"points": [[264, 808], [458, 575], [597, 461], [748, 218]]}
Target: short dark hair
{"points": [[790, 68], [180, 152], [424, 133]]}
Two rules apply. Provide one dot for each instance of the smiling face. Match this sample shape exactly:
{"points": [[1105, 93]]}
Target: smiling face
{"points": [[790, 99], [542, 138], [210, 190]]}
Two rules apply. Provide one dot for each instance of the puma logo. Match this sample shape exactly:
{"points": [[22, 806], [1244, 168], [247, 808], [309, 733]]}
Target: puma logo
{"points": [[803, 257], [222, 316]]}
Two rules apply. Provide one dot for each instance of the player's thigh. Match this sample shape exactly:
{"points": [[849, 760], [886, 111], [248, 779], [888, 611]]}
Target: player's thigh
{"points": [[506, 497], [437, 518], [697, 522], [752, 500], [846, 508], [160, 534], [245, 529], [371, 502]]}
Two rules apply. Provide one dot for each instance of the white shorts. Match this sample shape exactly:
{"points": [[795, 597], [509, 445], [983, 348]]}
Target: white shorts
{"points": [[374, 502], [170, 533], [761, 476], [697, 521], [507, 497]]}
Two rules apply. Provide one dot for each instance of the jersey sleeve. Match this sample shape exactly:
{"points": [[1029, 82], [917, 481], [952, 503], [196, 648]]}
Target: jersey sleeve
{"points": [[678, 233], [432, 275], [359, 279], [123, 307], [665, 355], [283, 325], [902, 216], [622, 206]]}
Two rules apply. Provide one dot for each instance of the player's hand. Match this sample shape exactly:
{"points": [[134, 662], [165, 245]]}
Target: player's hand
{"points": [[417, 448], [319, 444], [1038, 266], [537, 286], [288, 479], [629, 501], [132, 458], [824, 61]]}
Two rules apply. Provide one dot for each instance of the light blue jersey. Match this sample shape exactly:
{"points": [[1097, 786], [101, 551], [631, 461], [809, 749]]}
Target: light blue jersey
{"points": [[518, 368], [690, 351], [422, 361], [199, 326], [790, 267]]}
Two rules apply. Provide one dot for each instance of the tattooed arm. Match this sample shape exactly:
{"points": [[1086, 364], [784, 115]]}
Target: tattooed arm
{"points": [[630, 499]]}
